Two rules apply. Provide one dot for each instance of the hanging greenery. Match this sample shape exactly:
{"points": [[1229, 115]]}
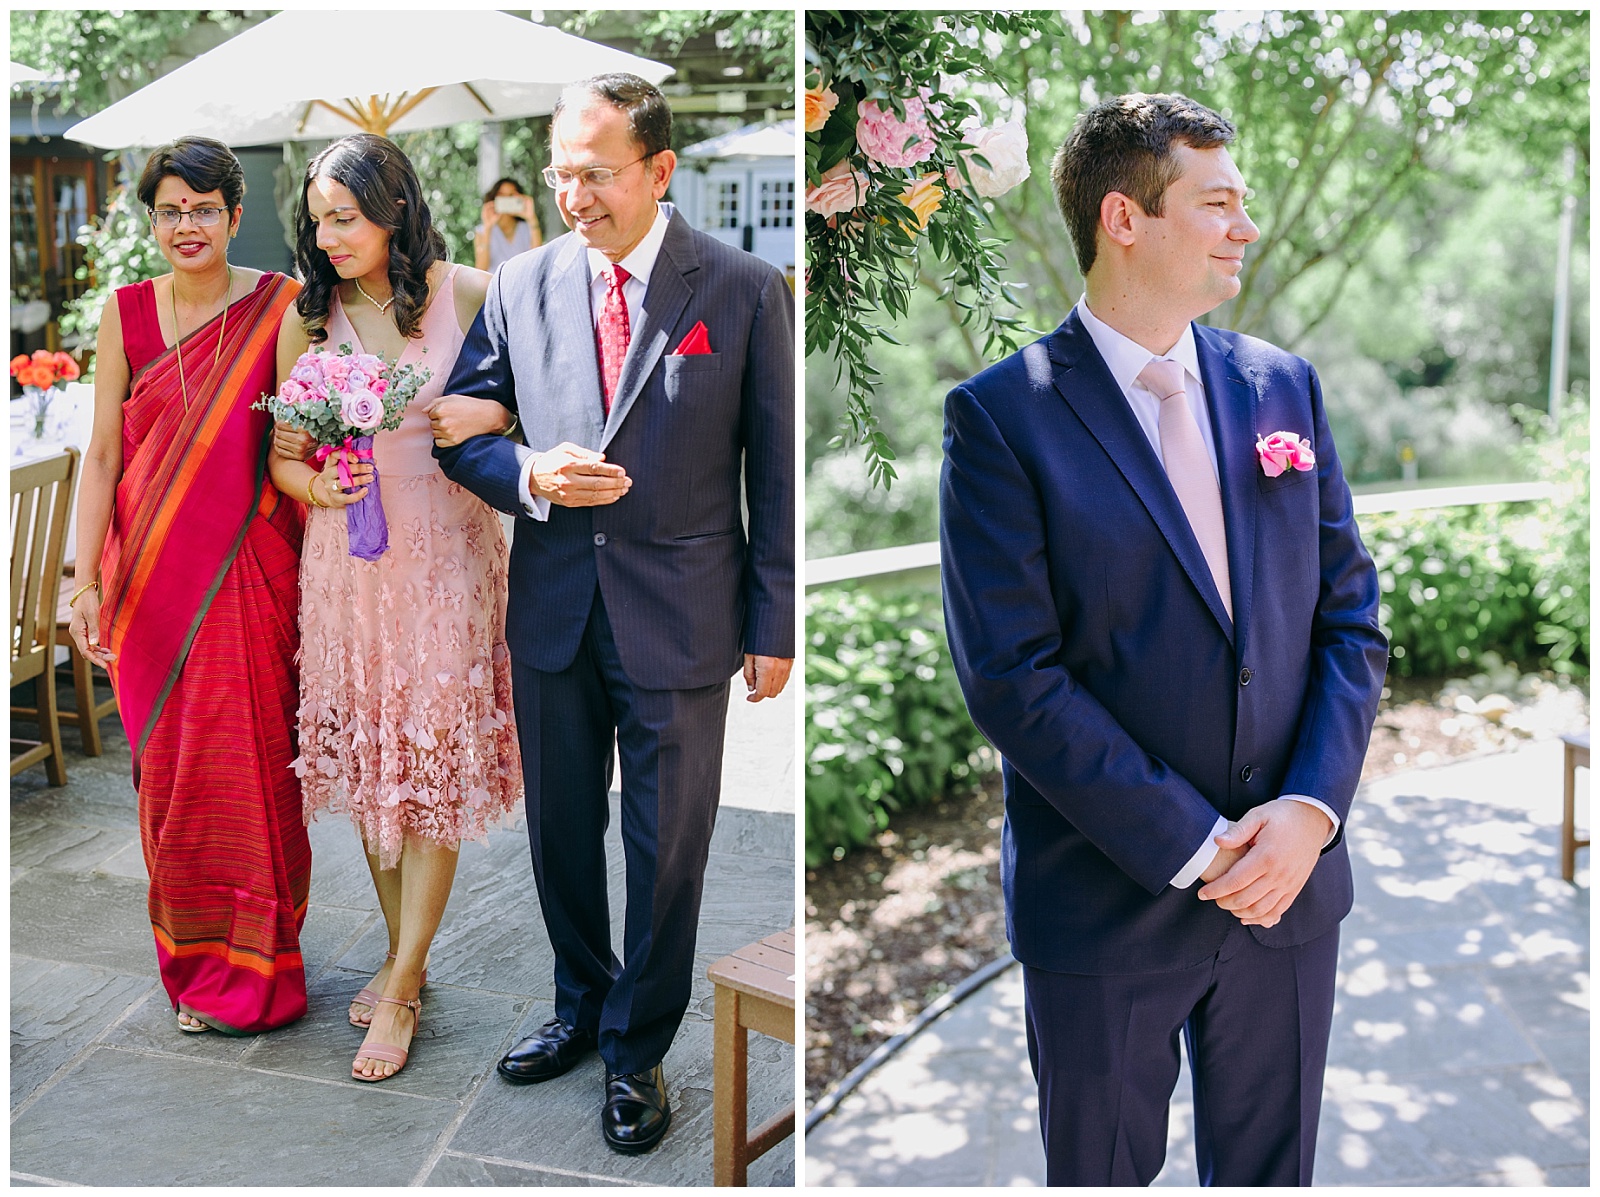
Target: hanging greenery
{"points": [[898, 169]]}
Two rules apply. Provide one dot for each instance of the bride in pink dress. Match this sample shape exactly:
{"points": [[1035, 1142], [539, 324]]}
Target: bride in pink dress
{"points": [[405, 681]]}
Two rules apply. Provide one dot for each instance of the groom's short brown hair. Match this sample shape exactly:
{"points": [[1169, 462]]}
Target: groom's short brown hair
{"points": [[1125, 144], [649, 114]]}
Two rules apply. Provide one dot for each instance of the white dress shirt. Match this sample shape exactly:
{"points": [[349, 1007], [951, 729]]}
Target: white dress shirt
{"points": [[1125, 358], [641, 260]]}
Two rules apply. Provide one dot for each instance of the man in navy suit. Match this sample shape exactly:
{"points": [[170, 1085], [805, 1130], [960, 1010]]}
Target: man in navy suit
{"points": [[1171, 635], [652, 370]]}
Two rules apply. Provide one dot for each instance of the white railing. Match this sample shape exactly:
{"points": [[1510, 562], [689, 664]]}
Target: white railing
{"points": [[872, 563]]}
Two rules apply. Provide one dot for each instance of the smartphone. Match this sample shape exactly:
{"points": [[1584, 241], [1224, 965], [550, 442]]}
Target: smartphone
{"points": [[510, 205]]}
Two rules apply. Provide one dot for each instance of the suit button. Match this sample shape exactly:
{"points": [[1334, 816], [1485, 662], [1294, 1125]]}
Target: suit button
{"points": [[599, 540], [1247, 773], [1244, 677]]}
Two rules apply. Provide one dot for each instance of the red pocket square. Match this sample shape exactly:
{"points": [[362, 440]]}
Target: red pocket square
{"points": [[696, 341]]}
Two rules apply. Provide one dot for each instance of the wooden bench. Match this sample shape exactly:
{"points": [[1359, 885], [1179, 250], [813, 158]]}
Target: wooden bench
{"points": [[754, 992], [1577, 754]]}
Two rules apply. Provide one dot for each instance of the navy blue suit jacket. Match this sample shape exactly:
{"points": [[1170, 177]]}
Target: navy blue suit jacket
{"points": [[687, 590], [1096, 655]]}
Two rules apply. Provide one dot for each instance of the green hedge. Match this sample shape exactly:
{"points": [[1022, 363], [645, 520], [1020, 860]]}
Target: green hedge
{"points": [[1508, 578], [886, 727]]}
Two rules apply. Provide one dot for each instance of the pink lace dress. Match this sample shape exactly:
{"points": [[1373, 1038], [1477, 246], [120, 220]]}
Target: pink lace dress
{"points": [[405, 679]]}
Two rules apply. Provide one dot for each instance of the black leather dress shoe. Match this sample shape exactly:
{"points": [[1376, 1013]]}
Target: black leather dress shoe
{"points": [[543, 1056], [636, 1113]]}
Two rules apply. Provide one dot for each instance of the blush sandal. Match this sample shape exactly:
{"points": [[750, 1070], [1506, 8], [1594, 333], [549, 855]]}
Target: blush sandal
{"points": [[388, 1053], [369, 997]]}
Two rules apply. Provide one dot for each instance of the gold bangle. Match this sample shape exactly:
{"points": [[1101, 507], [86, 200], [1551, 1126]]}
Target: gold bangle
{"points": [[77, 594], [513, 427], [311, 492]]}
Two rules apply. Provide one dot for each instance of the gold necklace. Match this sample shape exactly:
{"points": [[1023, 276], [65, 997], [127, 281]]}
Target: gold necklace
{"points": [[383, 308], [177, 338]]}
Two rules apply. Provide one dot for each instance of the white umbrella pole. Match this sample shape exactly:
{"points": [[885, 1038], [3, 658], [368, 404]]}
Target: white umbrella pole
{"points": [[1563, 315]]}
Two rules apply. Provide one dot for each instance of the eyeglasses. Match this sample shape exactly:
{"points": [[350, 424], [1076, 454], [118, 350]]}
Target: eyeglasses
{"points": [[169, 218], [595, 178]]}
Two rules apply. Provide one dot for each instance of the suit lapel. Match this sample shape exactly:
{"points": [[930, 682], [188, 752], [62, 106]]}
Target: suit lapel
{"points": [[574, 333], [664, 302], [1083, 380], [1231, 401]]}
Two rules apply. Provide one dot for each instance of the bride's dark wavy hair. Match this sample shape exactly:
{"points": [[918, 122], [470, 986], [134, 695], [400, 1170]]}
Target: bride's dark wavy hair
{"points": [[386, 189]]}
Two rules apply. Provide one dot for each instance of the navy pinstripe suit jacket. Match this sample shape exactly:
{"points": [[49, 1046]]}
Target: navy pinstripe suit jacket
{"points": [[688, 587]]}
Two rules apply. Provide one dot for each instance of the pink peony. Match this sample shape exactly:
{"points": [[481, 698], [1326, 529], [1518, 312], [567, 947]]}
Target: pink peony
{"points": [[1281, 451], [361, 409], [883, 137], [841, 190]]}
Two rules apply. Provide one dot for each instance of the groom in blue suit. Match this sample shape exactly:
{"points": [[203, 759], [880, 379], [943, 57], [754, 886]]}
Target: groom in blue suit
{"points": [[1163, 617], [652, 370]]}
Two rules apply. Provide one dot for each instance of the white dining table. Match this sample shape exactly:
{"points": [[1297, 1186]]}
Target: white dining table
{"points": [[68, 423]]}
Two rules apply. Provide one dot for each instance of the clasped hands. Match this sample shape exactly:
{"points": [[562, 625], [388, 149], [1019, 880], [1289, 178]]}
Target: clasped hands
{"points": [[1264, 859]]}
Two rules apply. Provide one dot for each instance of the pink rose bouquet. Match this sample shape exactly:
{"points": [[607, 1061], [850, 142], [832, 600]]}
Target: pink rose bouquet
{"points": [[1282, 451], [343, 399]]}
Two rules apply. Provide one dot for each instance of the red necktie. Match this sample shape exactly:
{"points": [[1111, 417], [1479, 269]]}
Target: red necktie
{"points": [[612, 334]]}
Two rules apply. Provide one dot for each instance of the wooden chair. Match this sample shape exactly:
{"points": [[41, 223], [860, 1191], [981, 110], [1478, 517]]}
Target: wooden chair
{"points": [[1576, 756], [86, 713], [754, 991], [41, 507]]}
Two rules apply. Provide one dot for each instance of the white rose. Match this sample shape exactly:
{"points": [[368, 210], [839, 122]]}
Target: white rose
{"points": [[1006, 149]]}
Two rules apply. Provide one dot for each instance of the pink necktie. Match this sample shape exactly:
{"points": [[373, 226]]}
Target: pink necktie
{"points": [[612, 334], [1189, 470]]}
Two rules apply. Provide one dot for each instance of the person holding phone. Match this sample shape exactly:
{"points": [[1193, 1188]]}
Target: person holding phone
{"points": [[510, 226]]}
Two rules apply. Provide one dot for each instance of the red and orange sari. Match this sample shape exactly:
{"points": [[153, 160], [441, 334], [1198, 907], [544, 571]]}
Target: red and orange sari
{"points": [[201, 596]]}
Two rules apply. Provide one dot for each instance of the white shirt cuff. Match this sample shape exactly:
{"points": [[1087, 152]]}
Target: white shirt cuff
{"points": [[536, 508], [1319, 806], [1190, 873]]}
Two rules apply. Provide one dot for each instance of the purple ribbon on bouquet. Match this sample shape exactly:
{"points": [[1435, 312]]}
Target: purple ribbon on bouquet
{"points": [[364, 519]]}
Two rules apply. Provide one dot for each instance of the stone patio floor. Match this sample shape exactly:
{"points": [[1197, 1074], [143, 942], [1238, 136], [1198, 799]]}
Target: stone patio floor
{"points": [[1460, 1050], [106, 1091]]}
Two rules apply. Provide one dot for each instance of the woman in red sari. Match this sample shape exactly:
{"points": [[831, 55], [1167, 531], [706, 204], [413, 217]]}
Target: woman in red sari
{"points": [[194, 608]]}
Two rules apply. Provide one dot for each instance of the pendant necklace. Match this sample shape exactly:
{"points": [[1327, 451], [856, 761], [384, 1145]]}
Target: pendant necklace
{"points": [[383, 308], [177, 344]]}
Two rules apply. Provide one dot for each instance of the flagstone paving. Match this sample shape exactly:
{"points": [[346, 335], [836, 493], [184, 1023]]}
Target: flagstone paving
{"points": [[1460, 1050], [106, 1091]]}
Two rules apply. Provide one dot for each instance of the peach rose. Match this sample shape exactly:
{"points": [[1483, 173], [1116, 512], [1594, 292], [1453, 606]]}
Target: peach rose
{"points": [[923, 197], [820, 103], [841, 190]]}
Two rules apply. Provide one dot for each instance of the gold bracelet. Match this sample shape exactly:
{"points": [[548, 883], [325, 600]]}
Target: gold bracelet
{"points": [[77, 594], [513, 427], [311, 492]]}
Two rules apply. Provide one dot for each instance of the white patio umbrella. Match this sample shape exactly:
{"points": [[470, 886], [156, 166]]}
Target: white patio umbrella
{"points": [[307, 75], [22, 73]]}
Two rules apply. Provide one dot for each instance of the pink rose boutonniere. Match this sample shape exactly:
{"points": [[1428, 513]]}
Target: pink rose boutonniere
{"points": [[1282, 451]]}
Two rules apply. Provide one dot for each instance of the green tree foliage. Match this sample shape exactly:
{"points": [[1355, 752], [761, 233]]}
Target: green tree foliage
{"points": [[104, 54], [1345, 120]]}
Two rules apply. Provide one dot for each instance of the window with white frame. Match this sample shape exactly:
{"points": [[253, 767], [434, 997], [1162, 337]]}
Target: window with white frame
{"points": [[777, 204], [722, 204]]}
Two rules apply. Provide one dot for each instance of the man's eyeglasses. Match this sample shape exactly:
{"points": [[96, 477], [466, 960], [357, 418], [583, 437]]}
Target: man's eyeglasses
{"points": [[595, 178], [168, 218]]}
